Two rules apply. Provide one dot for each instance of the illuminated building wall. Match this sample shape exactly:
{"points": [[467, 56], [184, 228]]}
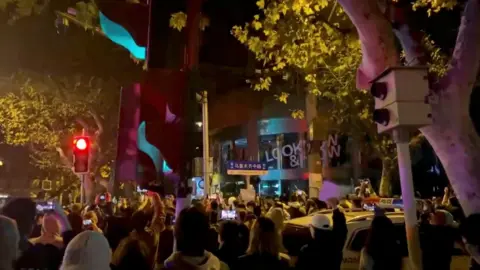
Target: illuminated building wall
{"points": [[269, 135]]}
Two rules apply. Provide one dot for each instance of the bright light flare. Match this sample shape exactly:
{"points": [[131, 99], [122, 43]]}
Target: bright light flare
{"points": [[81, 144]]}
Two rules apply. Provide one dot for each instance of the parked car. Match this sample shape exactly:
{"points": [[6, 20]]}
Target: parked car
{"points": [[297, 234]]}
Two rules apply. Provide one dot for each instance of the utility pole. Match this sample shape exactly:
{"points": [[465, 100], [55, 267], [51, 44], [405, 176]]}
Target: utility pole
{"points": [[206, 144], [401, 139], [401, 105]]}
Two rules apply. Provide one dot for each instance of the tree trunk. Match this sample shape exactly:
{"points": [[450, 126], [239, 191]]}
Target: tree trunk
{"points": [[385, 188], [452, 134], [457, 145]]}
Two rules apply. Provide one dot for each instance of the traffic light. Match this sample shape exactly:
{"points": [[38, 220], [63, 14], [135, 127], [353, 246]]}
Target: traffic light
{"points": [[400, 94], [81, 153]]}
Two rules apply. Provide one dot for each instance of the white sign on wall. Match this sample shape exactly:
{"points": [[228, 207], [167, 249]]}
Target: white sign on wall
{"points": [[291, 151], [332, 147]]}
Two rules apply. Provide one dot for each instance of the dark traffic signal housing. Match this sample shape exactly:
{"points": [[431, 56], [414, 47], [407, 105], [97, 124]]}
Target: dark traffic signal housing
{"points": [[81, 154], [399, 94]]}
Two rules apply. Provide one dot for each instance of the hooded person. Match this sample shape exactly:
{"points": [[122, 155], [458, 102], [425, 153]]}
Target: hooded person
{"points": [[50, 233], [87, 251], [191, 234], [9, 244]]}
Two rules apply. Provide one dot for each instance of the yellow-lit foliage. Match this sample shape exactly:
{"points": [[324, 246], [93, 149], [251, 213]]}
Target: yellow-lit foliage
{"points": [[43, 115], [435, 5], [311, 45], [301, 48], [178, 21]]}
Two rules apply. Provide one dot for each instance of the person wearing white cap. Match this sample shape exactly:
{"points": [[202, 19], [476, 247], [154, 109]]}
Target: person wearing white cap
{"points": [[328, 239]]}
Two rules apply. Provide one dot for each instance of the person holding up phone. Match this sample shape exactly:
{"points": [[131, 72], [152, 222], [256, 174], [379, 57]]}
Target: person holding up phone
{"points": [[90, 221]]}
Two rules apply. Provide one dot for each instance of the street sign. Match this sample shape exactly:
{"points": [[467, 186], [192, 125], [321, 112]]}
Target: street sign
{"points": [[235, 167], [395, 203]]}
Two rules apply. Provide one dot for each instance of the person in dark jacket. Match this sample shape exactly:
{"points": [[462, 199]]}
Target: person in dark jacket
{"points": [[191, 232], [264, 249], [437, 242], [165, 245], [23, 211], [327, 242], [229, 238], [471, 238]]}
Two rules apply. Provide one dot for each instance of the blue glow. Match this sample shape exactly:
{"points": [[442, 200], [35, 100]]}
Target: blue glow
{"points": [[121, 36], [150, 150], [166, 168], [146, 147]]}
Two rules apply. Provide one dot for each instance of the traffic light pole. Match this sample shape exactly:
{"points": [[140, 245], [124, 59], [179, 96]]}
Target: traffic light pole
{"points": [[82, 188], [401, 139]]}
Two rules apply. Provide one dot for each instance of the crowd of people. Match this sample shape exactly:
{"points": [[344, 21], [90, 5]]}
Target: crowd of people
{"points": [[148, 236]]}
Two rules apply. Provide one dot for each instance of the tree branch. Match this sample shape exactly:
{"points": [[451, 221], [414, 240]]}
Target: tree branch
{"points": [[410, 39], [74, 20], [98, 122], [376, 37], [64, 157], [463, 67], [83, 124]]}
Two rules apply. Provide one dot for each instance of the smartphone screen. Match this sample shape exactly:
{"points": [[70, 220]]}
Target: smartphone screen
{"points": [[228, 214], [87, 222], [139, 190], [44, 206]]}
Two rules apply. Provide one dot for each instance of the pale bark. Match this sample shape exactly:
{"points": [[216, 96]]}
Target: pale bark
{"points": [[452, 134], [67, 162], [376, 37]]}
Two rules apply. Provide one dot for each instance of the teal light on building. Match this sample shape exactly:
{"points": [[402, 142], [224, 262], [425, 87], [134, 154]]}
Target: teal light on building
{"points": [[122, 37]]}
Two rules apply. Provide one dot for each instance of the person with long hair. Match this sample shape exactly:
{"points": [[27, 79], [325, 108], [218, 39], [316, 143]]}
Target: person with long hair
{"points": [[264, 251], [132, 253], [381, 250]]}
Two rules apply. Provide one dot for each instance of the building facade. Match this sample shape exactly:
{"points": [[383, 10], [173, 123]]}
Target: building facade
{"points": [[250, 126]]}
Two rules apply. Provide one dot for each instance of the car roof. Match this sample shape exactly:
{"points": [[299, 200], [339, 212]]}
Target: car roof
{"points": [[350, 216]]}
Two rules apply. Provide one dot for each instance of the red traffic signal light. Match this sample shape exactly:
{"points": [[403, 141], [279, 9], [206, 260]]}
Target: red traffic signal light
{"points": [[81, 154], [81, 144]]}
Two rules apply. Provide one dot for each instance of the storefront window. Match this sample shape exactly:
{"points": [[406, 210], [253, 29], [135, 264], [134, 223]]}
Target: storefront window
{"points": [[291, 186], [226, 155], [270, 188], [291, 151], [269, 151]]}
